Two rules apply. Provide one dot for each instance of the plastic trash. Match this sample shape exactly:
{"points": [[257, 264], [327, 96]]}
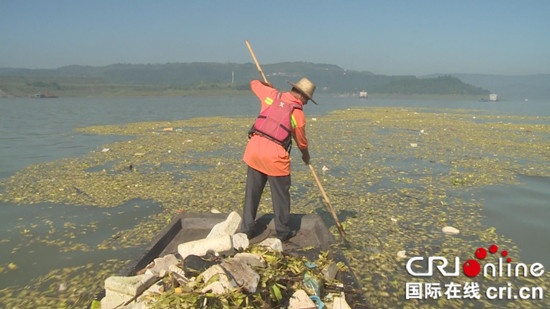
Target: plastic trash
{"points": [[312, 284], [318, 302]]}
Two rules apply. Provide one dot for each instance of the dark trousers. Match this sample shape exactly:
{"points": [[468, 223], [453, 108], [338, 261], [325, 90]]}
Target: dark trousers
{"points": [[280, 194]]}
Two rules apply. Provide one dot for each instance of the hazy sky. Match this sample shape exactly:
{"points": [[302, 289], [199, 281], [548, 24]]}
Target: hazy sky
{"points": [[384, 37]]}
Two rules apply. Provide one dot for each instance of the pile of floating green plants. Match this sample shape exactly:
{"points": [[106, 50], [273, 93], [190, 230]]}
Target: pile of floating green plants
{"points": [[395, 176], [60, 288]]}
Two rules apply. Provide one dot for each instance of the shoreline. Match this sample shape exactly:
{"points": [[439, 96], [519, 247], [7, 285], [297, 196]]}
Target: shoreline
{"points": [[63, 87], [246, 93]]}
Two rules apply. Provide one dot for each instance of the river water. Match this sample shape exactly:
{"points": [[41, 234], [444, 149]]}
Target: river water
{"points": [[37, 131]]}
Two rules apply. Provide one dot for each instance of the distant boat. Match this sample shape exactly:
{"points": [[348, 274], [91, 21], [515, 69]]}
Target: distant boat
{"points": [[493, 97], [45, 95], [363, 94]]}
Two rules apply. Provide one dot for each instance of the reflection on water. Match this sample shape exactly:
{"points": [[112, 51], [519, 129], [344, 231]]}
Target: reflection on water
{"points": [[522, 212]]}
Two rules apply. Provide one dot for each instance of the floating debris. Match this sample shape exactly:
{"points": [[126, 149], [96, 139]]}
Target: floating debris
{"points": [[449, 230], [402, 254]]}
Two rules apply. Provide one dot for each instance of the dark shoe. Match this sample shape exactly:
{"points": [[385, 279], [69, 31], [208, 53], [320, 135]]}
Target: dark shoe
{"points": [[253, 232], [260, 236], [288, 236]]}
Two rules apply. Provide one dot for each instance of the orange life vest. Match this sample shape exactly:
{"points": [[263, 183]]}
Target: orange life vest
{"points": [[274, 122]]}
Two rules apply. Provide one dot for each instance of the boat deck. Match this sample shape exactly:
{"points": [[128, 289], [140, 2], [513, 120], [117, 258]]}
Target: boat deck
{"points": [[312, 238]]}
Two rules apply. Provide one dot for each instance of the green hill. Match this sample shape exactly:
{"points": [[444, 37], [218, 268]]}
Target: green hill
{"points": [[178, 78]]}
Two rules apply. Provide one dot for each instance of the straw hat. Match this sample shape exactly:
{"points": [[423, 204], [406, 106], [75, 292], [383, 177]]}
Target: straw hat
{"points": [[306, 87]]}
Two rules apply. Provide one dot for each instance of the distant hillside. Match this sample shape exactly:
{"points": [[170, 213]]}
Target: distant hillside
{"points": [[513, 87], [437, 85], [328, 78]]}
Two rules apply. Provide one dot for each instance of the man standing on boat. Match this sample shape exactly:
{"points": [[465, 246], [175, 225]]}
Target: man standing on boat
{"points": [[267, 153]]}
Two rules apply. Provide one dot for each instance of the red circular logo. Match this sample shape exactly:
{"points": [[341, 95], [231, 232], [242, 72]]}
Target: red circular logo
{"points": [[471, 268], [481, 253]]}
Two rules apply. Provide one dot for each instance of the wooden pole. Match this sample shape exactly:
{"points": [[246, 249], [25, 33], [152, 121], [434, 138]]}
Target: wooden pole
{"points": [[255, 60], [340, 229]]}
